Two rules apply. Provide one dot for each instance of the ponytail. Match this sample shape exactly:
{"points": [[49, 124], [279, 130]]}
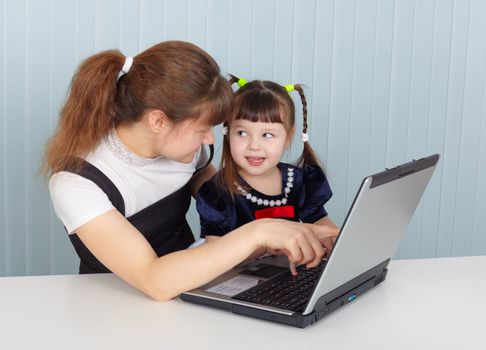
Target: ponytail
{"points": [[178, 78], [88, 114], [308, 156], [233, 79], [228, 173]]}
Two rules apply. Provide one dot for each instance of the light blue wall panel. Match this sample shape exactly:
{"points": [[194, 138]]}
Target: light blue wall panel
{"points": [[383, 49], [453, 122], [340, 104], [107, 24], [321, 80], [64, 25], [478, 240], [302, 67], [175, 20], [262, 36], [14, 23], [442, 22], [129, 35], [240, 38], [386, 82], [3, 147], [37, 210], [197, 22], [470, 131], [217, 40], [151, 23], [400, 81], [284, 40], [85, 29], [361, 97], [418, 113]]}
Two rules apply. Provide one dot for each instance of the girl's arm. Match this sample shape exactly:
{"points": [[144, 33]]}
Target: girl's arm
{"points": [[124, 250]]}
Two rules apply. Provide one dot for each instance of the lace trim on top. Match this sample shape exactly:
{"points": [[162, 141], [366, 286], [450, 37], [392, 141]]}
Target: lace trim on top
{"points": [[121, 151]]}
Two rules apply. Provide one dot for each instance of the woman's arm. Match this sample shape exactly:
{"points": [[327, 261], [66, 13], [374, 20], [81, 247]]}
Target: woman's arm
{"points": [[326, 234], [257, 253], [124, 250]]}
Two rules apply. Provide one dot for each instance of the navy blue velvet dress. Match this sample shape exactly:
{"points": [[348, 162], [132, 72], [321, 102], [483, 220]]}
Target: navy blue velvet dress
{"points": [[304, 193]]}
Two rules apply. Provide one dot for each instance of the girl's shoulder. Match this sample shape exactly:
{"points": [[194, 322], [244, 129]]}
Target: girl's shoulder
{"points": [[214, 205], [213, 191], [308, 171]]}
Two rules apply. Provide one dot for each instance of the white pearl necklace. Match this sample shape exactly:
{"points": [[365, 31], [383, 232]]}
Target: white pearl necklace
{"points": [[266, 202]]}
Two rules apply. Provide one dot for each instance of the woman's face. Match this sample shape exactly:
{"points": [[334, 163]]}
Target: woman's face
{"points": [[257, 147], [183, 140]]}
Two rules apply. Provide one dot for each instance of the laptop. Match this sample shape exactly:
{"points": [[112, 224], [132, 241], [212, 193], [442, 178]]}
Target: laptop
{"points": [[369, 237]]}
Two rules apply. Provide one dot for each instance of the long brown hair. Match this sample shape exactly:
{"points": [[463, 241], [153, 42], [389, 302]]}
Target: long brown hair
{"points": [[268, 102], [176, 77]]}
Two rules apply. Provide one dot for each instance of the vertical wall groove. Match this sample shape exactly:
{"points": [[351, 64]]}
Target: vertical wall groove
{"points": [[328, 138], [3, 154], [27, 159], [461, 123]]}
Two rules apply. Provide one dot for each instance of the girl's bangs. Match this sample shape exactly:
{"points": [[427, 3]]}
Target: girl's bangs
{"points": [[265, 108]]}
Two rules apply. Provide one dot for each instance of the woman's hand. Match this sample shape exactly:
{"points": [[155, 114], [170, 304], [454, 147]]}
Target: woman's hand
{"points": [[297, 241]]}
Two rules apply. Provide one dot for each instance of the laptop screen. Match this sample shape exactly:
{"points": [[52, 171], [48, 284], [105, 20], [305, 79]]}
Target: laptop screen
{"points": [[372, 230]]}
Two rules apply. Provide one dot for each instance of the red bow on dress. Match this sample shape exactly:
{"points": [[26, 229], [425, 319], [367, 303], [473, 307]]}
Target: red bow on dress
{"points": [[285, 211]]}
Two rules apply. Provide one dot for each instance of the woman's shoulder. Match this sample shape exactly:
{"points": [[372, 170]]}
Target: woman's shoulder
{"points": [[65, 180], [66, 189], [76, 199]]}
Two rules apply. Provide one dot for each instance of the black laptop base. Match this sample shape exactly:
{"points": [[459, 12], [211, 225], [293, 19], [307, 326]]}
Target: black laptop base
{"points": [[325, 305]]}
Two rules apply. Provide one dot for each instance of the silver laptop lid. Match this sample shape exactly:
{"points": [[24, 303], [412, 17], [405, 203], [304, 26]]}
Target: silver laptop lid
{"points": [[375, 223]]}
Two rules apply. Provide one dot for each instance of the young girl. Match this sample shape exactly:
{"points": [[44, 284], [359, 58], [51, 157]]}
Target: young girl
{"points": [[253, 183], [125, 159]]}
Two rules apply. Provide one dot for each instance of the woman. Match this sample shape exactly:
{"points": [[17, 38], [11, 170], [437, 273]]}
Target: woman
{"points": [[125, 159]]}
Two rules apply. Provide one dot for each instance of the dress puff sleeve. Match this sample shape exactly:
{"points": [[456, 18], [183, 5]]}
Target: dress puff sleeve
{"points": [[216, 211], [315, 193]]}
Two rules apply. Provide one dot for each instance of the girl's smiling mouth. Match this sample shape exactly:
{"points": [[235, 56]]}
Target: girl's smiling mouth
{"points": [[255, 161]]}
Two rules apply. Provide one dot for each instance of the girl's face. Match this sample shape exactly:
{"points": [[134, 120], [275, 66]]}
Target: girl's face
{"points": [[185, 138], [257, 147]]}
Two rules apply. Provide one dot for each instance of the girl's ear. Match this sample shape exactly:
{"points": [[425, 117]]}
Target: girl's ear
{"points": [[290, 136]]}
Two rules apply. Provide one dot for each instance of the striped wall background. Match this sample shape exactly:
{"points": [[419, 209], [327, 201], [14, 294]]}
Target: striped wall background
{"points": [[387, 81]]}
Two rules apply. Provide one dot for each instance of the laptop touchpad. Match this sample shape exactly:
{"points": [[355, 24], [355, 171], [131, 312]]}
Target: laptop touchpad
{"points": [[263, 271]]}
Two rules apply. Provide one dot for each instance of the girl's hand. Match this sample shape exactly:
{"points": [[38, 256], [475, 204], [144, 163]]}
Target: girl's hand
{"points": [[326, 232]]}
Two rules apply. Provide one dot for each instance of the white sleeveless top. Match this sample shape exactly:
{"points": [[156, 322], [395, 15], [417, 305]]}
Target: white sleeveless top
{"points": [[141, 182]]}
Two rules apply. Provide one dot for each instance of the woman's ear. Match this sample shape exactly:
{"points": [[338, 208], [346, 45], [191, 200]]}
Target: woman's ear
{"points": [[158, 121]]}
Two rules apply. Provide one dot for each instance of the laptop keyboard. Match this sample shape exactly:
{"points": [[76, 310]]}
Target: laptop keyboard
{"points": [[285, 291]]}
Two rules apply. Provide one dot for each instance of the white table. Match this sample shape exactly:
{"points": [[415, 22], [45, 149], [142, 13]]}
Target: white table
{"points": [[423, 304]]}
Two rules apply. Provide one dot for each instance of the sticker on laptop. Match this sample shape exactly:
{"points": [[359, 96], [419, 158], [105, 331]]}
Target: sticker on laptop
{"points": [[233, 286]]}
